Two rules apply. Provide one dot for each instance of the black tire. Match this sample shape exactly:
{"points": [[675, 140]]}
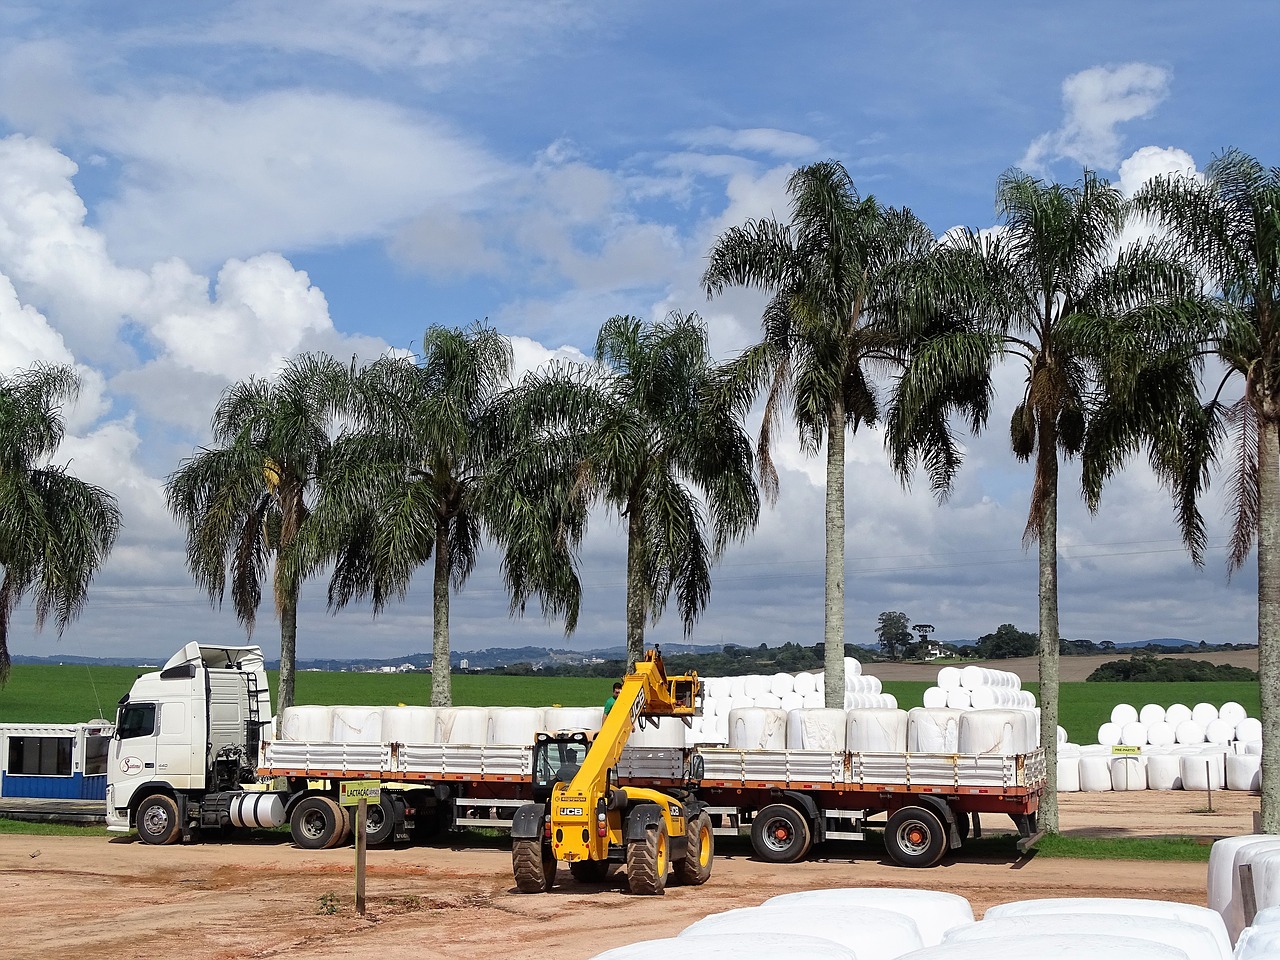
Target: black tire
{"points": [[589, 871], [379, 822], [317, 823], [915, 837], [649, 861], [699, 851], [533, 864], [780, 834], [158, 821]]}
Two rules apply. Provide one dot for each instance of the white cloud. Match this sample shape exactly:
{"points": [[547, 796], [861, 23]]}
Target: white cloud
{"points": [[777, 143], [1096, 102], [1147, 163]]}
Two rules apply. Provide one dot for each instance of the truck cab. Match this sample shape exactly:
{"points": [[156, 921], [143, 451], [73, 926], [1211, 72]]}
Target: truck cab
{"points": [[189, 729]]}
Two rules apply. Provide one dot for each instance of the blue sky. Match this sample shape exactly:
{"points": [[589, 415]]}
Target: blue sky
{"points": [[191, 192]]}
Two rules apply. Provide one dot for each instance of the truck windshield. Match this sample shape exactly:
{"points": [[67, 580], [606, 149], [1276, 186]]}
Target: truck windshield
{"points": [[136, 720], [558, 760]]}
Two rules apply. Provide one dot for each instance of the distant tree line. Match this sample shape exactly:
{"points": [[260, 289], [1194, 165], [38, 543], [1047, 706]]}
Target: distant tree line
{"points": [[1147, 668]]}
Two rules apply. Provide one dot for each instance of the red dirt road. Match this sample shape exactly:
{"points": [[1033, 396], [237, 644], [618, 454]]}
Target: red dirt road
{"points": [[121, 899]]}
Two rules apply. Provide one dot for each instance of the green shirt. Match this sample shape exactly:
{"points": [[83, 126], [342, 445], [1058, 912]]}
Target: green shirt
{"points": [[608, 704]]}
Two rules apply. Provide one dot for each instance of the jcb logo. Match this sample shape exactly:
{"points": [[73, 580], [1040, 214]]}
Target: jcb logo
{"points": [[571, 811], [638, 707]]}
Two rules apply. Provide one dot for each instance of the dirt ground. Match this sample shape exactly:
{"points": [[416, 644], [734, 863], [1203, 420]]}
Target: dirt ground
{"points": [[119, 899], [1071, 668]]}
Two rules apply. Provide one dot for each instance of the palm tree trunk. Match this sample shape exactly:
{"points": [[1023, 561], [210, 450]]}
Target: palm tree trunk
{"points": [[1269, 618], [8, 600], [288, 654], [1048, 537], [441, 665], [833, 607], [636, 588]]}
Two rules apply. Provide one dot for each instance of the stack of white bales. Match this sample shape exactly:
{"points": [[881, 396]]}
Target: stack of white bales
{"points": [[979, 688], [1194, 748], [780, 691], [815, 925], [425, 725]]}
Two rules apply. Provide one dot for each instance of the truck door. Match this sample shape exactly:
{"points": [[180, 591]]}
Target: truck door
{"points": [[133, 754]]}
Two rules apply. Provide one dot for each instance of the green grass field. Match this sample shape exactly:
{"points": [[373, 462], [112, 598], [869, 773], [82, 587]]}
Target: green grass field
{"points": [[65, 694]]}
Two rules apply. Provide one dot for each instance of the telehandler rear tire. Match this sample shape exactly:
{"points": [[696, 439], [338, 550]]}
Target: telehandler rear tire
{"points": [[700, 849], [534, 865], [648, 861]]}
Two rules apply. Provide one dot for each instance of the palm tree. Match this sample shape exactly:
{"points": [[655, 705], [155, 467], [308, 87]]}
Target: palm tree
{"points": [[55, 530], [1227, 227], [433, 462], [672, 459], [832, 272], [1048, 289], [245, 499]]}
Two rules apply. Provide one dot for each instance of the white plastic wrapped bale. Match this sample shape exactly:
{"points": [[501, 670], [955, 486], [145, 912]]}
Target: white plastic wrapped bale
{"points": [[1221, 864], [462, 725], [411, 724], [1231, 712], [1189, 732], [852, 667], [959, 699], [877, 934], [755, 685], [935, 697], [517, 725], [1203, 771], [1125, 906], [1259, 943], [308, 723], [1068, 772], [1151, 713], [1164, 772], [1123, 713], [1176, 713], [733, 946], [803, 683], [1219, 731], [1095, 774], [1109, 734], [357, 725], [816, 730], [1244, 772], [815, 700], [995, 732], [1266, 878], [1080, 946], [1245, 852], [768, 701], [1203, 713], [737, 686], [657, 732], [931, 730], [1133, 734], [1197, 942], [1161, 734], [1129, 773], [933, 911], [949, 678], [1249, 729], [791, 701], [758, 728], [573, 718], [876, 731]]}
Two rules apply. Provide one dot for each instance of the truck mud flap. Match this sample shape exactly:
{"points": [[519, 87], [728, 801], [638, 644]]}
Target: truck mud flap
{"points": [[528, 822]]}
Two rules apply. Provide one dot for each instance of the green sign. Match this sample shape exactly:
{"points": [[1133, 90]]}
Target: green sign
{"points": [[351, 792], [1122, 751]]}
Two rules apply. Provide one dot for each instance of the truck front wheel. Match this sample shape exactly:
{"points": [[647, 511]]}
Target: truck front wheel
{"points": [[533, 864], [915, 837], [780, 834], [158, 819], [317, 822]]}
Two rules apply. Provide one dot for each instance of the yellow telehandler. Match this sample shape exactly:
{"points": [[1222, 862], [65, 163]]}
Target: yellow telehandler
{"points": [[581, 816]]}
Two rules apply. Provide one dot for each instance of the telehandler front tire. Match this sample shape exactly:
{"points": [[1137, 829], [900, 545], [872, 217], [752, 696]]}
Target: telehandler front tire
{"points": [[534, 865], [648, 861], [700, 849]]}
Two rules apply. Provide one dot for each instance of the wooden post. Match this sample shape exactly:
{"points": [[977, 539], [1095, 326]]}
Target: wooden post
{"points": [[1248, 896], [361, 809]]}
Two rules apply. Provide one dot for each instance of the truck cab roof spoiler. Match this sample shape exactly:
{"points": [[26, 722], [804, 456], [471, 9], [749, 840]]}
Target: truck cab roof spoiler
{"points": [[215, 657]]}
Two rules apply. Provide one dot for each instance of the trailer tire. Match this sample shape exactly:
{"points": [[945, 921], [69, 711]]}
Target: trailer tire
{"points": [[379, 822], [780, 834], [649, 860], [699, 851], [533, 864], [915, 837], [158, 820], [317, 823], [589, 871]]}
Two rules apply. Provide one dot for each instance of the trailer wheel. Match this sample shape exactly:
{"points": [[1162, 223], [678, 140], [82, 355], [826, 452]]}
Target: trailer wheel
{"points": [[533, 864], [700, 849], [158, 821], [379, 822], [648, 861], [589, 871], [317, 823], [915, 837], [780, 834]]}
